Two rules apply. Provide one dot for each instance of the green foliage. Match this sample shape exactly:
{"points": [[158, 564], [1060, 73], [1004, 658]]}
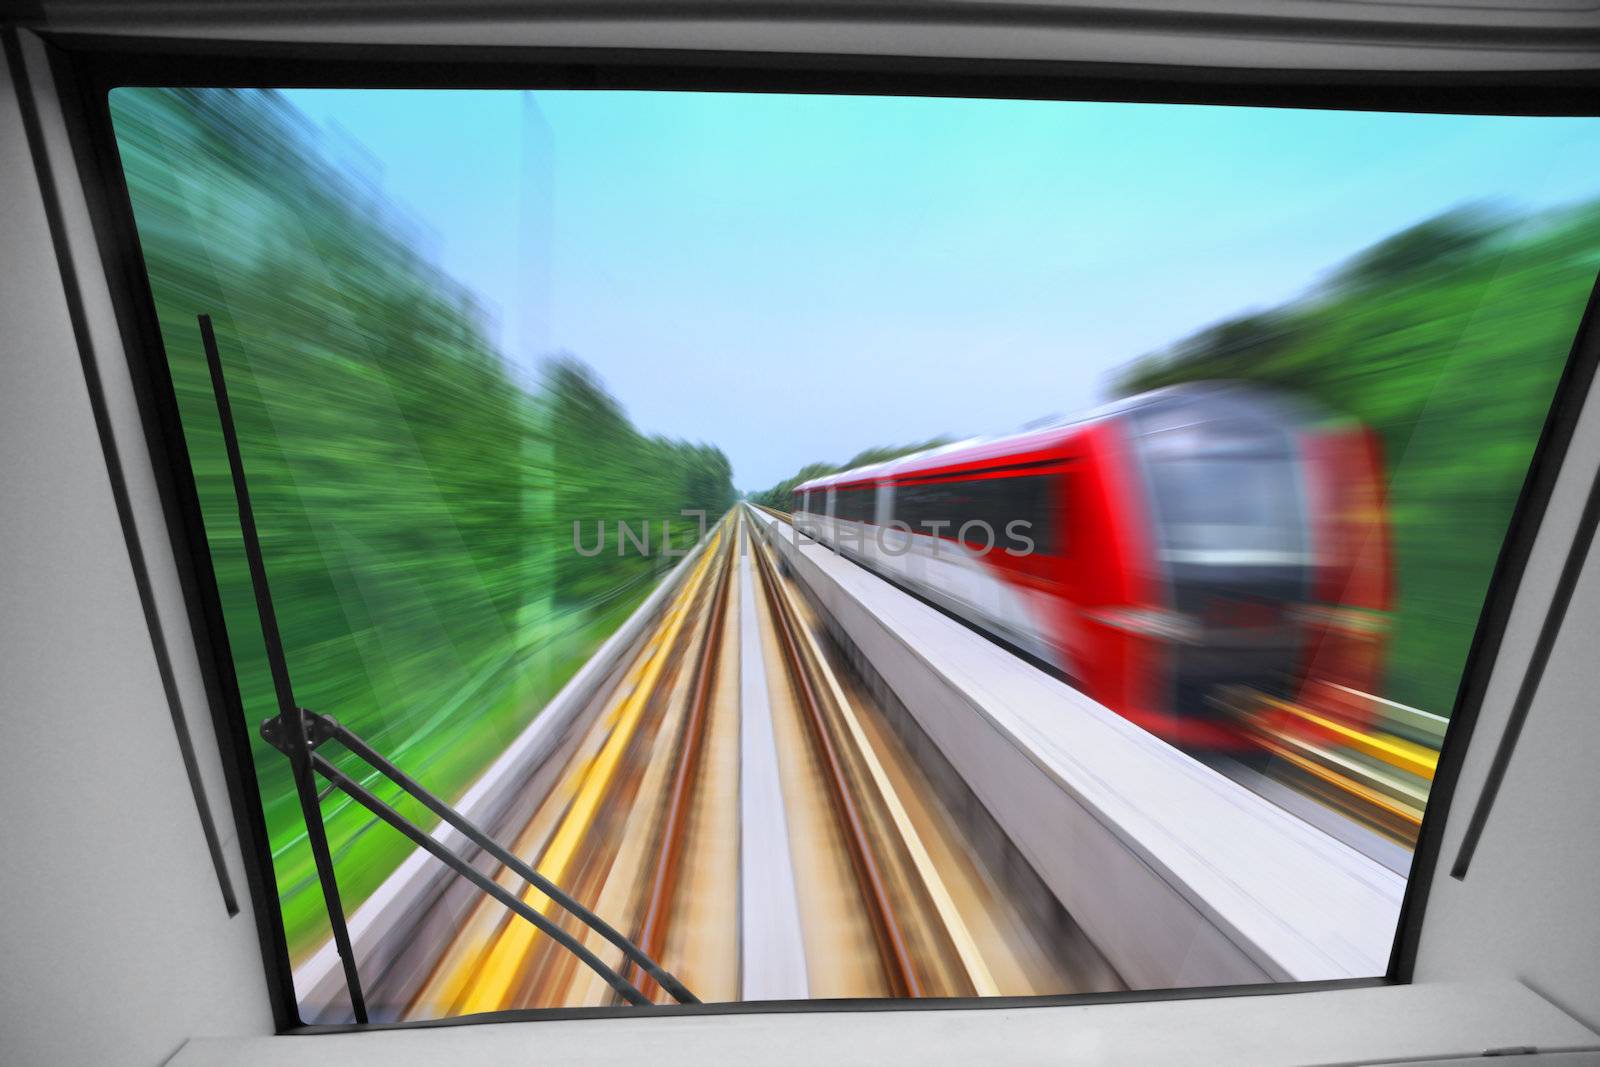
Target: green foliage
{"points": [[1447, 339], [1434, 245], [414, 498], [778, 495], [606, 472]]}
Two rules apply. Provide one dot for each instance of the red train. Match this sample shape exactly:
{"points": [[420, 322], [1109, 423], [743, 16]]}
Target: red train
{"points": [[1159, 553]]}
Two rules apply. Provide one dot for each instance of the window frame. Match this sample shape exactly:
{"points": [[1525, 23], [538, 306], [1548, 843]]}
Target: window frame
{"points": [[85, 68]]}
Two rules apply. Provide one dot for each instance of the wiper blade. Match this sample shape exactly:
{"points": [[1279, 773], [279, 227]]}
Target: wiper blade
{"points": [[297, 732]]}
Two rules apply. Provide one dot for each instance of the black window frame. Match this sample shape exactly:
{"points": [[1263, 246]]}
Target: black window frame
{"points": [[85, 68]]}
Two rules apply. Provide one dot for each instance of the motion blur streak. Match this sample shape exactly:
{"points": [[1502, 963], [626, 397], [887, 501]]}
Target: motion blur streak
{"points": [[490, 980], [416, 501], [1267, 551]]}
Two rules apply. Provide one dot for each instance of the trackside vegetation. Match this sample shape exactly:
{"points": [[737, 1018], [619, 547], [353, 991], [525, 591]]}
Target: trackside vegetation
{"points": [[415, 496], [777, 496]]}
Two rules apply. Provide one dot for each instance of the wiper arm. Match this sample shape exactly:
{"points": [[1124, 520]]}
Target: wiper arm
{"points": [[297, 733], [322, 728]]}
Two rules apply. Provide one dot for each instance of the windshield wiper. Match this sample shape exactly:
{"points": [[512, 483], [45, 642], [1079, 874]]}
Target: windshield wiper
{"points": [[298, 733]]}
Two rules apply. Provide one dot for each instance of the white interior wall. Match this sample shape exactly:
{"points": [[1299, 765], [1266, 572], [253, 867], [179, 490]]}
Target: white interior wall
{"points": [[1529, 905], [115, 945]]}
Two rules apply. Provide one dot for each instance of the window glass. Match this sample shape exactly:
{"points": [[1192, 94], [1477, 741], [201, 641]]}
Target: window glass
{"points": [[1242, 505], [1222, 484], [507, 367], [856, 503], [984, 512]]}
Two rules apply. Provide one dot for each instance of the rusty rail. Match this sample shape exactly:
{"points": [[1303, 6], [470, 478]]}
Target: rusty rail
{"points": [[669, 850]]}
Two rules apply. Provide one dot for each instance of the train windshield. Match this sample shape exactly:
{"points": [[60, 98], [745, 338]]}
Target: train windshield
{"points": [[523, 385], [1223, 480], [1236, 510]]}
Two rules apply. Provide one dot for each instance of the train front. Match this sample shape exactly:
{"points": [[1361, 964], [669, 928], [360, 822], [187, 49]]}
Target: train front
{"points": [[1269, 547]]}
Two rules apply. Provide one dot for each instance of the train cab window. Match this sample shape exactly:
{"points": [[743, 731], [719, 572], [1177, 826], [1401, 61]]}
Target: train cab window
{"points": [[1224, 492], [534, 550], [1237, 510]]}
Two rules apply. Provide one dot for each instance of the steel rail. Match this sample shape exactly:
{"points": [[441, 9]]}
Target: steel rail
{"points": [[487, 983], [594, 783], [853, 736], [893, 950], [669, 851]]}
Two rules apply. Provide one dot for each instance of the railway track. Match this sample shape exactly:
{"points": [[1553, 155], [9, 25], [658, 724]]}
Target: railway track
{"points": [[1376, 774], [731, 797], [649, 822]]}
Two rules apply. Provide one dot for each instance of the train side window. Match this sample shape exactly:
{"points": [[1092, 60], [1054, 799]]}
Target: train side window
{"points": [[998, 502], [856, 503]]}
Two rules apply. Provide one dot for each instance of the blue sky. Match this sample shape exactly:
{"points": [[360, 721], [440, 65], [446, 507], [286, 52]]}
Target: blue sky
{"points": [[795, 278]]}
